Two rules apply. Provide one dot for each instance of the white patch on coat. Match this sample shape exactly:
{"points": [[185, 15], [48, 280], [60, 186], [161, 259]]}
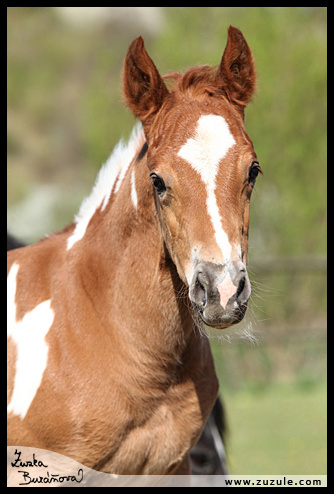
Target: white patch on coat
{"points": [[32, 350], [204, 151], [112, 173]]}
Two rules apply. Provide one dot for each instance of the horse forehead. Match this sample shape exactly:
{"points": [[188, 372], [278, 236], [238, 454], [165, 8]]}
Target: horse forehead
{"points": [[207, 146]]}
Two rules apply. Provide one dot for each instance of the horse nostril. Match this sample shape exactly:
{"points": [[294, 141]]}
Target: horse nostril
{"points": [[243, 291], [241, 286], [200, 293]]}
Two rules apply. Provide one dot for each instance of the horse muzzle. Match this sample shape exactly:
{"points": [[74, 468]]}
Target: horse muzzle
{"points": [[220, 293]]}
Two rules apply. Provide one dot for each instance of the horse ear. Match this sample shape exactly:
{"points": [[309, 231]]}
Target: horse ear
{"points": [[143, 87], [236, 72]]}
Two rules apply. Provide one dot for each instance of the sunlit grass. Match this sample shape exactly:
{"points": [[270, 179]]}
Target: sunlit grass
{"points": [[278, 430]]}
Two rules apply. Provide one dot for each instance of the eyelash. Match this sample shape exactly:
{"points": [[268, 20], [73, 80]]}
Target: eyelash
{"points": [[254, 170], [158, 184]]}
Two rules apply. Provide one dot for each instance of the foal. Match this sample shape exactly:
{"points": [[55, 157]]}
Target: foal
{"points": [[104, 364]]}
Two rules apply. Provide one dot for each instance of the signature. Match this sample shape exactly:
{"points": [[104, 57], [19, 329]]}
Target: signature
{"points": [[19, 463], [47, 477]]}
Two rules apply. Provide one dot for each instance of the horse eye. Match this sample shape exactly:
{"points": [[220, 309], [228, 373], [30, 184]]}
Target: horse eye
{"points": [[158, 183], [253, 173]]}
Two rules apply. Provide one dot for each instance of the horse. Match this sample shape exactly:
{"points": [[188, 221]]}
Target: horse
{"points": [[108, 362], [208, 456]]}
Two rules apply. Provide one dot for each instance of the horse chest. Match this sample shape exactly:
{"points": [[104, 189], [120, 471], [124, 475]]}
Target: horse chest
{"points": [[159, 444], [158, 433]]}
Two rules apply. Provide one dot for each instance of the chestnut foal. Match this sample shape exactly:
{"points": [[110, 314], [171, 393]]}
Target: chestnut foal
{"points": [[105, 364]]}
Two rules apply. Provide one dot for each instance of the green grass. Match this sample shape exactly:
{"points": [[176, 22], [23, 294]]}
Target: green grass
{"points": [[278, 430]]}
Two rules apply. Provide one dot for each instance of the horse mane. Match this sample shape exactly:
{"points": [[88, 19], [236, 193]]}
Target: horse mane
{"points": [[198, 81]]}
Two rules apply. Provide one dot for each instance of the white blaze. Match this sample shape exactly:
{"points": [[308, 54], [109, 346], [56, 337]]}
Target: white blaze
{"points": [[203, 152], [32, 350]]}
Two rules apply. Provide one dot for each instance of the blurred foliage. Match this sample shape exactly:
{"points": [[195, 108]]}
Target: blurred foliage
{"points": [[65, 114]]}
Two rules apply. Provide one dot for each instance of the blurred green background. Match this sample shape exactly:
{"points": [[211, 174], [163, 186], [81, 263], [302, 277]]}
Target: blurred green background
{"points": [[65, 114]]}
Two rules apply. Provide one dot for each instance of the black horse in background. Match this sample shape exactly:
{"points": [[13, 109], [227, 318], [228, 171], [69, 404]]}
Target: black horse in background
{"points": [[13, 243]]}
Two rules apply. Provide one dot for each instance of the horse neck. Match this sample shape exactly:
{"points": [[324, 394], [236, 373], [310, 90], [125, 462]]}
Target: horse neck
{"points": [[130, 275]]}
